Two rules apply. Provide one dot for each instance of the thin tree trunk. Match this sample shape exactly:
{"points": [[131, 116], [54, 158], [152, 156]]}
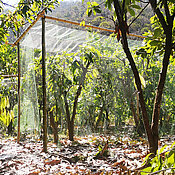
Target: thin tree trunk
{"points": [[167, 25], [54, 127], [71, 129], [159, 91], [70, 120], [67, 110], [107, 119], [134, 113], [135, 72], [99, 117]]}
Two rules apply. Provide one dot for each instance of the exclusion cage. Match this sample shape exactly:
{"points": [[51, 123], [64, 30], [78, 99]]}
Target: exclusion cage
{"points": [[58, 39]]}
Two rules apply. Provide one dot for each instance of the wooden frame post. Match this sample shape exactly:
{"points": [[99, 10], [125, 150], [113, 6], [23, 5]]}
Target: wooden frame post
{"points": [[44, 86], [19, 89]]}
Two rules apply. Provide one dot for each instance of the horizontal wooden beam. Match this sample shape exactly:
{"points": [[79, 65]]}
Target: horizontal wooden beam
{"points": [[77, 23], [64, 21], [86, 25]]}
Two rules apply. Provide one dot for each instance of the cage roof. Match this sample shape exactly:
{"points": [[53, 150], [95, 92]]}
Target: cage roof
{"points": [[58, 38]]}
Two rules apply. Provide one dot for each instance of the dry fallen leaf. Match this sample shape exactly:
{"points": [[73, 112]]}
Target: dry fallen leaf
{"points": [[53, 162]]}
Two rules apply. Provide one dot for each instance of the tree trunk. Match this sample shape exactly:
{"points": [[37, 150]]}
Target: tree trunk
{"points": [[67, 112], [134, 113], [167, 24], [99, 118], [107, 119], [54, 127], [159, 92], [135, 72], [71, 130], [70, 120]]}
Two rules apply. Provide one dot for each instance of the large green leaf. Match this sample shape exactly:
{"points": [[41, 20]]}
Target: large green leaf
{"points": [[131, 11]]}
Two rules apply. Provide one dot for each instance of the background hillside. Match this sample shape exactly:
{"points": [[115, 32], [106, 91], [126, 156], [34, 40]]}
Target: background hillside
{"points": [[76, 11]]}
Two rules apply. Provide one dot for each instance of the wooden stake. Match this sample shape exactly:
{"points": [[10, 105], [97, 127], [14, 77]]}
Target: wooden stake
{"points": [[44, 87], [19, 93]]}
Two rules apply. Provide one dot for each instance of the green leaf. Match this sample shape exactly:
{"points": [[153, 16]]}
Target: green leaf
{"points": [[82, 23], [147, 158], [94, 3], [131, 11], [170, 161], [89, 12], [127, 2], [162, 149], [157, 32], [97, 9], [108, 4], [146, 171], [154, 43], [7, 102], [135, 6], [143, 82]]}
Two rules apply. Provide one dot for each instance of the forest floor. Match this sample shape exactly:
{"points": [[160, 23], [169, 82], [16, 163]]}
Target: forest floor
{"points": [[92, 154]]}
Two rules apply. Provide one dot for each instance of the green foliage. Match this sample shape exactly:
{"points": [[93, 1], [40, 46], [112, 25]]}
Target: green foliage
{"points": [[126, 6], [164, 161], [156, 37], [6, 115], [25, 11], [93, 7]]}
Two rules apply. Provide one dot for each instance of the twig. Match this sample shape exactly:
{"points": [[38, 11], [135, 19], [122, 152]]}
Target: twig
{"points": [[139, 14]]}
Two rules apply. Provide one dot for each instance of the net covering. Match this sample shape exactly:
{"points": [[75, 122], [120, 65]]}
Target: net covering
{"points": [[59, 39]]}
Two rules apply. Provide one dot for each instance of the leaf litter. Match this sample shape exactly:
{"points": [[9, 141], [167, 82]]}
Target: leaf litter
{"points": [[93, 154]]}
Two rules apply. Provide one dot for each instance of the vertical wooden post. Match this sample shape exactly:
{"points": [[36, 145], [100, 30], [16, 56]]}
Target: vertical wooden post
{"points": [[44, 87], [19, 88]]}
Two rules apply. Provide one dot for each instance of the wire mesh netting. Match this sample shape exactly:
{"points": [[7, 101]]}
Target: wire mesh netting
{"points": [[59, 39], [29, 102]]}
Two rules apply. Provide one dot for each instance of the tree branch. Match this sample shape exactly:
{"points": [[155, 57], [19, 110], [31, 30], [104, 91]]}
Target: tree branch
{"points": [[138, 14], [167, 12], [123, 7], [119, 11]]}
